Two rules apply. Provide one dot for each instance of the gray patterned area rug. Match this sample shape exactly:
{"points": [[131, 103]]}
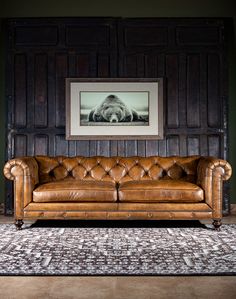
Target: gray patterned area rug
{"points": [[117, 250]]}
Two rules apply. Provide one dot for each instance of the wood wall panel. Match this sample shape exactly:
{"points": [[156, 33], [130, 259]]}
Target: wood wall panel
{"points": [[41, 90], [213, 94], [20, 145], [82, 69], [148, 36], [61, 146], [151, 66], [88, 35], [130, 66], [141, 148], [151, 148], [172, 99], [91, 147], [193, 145], [188, 53], [83, 148], [41, 144], [182, 103], [131, 148], [200, 35], [193, 91], [103, 66], [36, 35], [121, 148], [214, 145], [173, 148], [20, 90], [61, 62]]}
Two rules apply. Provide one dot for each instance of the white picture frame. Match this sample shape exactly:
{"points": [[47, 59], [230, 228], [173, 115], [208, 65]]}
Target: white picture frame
{"points": [[116, 108]]}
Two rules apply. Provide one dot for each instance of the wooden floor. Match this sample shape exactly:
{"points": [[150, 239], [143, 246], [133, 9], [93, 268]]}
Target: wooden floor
{"points": [[118, 287]]}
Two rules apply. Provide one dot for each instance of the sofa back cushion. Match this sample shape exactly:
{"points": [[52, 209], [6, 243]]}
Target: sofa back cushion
{"points": [[117, 169]]}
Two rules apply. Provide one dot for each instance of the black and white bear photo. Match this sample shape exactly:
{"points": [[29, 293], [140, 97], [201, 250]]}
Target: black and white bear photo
{"points": [[113, 110]]}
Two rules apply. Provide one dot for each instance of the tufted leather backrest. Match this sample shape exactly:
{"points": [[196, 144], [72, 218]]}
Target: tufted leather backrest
{"points": [[117, 169]]}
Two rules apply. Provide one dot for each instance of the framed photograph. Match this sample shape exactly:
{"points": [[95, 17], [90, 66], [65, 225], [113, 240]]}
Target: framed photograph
{"points": [[114, 108]]}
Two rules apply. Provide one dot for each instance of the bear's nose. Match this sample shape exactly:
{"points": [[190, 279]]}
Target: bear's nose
{"points": [[114, 119]]}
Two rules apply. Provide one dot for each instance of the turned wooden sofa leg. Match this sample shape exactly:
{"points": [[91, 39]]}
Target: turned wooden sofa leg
{"points": [[19, 223], [217, 224]]}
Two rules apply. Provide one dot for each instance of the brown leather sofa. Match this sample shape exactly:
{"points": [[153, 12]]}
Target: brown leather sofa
{"points": [[118, 187]]}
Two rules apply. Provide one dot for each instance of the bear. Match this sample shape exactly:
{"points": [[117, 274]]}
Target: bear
{"points": [[113, 110]]}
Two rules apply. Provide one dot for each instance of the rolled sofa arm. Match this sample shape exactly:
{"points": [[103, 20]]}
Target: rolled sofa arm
{"points": [[211, 173], [24, 172], [208, 165]]}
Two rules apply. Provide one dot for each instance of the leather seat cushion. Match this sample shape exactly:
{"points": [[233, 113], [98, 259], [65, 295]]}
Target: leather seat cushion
{"points": [[76, 191], [160, 191]]}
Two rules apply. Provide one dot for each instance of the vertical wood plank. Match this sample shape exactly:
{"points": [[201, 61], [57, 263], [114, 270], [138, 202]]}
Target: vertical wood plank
{"points": [[213, 95], [103, 148], [20, 145], [203, 145], [20, 113], [113, 148], [30, 90], [182, 90], [61, 74], [151, 66], [172, 67], [61, 146], [140, 66], [161, 71], [82, 68], [182, 145], [82, 148], [193, 145], [131, 148], [130, 66], [214, 145], [162, 148], [51, 105], [141, 148], [92, 147], [121, 148], [41, 97], [173, 146], [193, 91], [40, 144], [72, 148], [152, 148], [72, 72], [103, 66], [203, 90]]}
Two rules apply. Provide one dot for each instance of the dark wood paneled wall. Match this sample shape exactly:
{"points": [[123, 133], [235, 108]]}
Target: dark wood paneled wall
{"points": [[188, 53]]}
